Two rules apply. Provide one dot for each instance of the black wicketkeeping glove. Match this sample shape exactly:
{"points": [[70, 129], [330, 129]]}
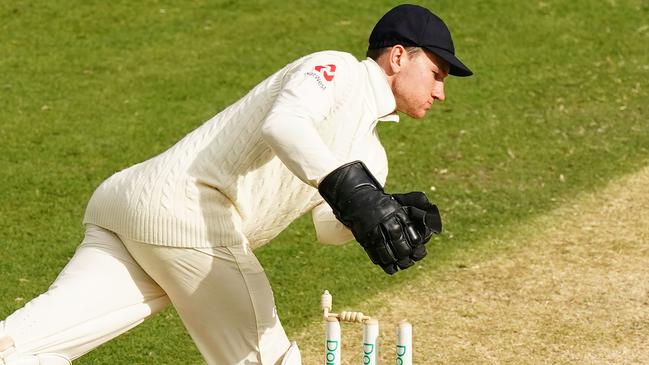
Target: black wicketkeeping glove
{"points": [[378, 221]]}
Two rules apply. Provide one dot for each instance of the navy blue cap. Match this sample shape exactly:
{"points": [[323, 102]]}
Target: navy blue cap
{"points": [[415, 26]]}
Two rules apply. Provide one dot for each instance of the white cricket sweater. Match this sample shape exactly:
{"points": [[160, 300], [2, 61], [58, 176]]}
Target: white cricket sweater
{"points": [[248, 172]]}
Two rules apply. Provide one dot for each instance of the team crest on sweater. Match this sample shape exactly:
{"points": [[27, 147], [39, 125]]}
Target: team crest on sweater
{"points": [[327, 72]]}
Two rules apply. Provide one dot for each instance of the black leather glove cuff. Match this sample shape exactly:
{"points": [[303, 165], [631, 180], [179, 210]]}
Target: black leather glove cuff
{"points": [[343, 181], [340, 185]]}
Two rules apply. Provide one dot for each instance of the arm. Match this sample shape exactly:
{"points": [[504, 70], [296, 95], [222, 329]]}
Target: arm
{"points": [[305, 100], [378, 222]]}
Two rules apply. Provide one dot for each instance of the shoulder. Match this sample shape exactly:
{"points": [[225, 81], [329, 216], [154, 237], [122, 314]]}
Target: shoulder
{"points": [[329, 65], [340, 56]]}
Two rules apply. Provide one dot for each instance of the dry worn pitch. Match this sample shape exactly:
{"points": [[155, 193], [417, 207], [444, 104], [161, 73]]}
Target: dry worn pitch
{"points": [[571, 287]]}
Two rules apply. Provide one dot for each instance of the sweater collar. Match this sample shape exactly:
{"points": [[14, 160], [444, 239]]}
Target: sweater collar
{"points": [[385, 105]]}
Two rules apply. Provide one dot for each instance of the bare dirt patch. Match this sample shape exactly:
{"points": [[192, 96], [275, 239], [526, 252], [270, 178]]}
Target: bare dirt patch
{"points": [[571, 287]]}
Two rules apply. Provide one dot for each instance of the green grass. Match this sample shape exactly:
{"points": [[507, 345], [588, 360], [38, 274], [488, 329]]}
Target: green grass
{"points": [[557, 106]]}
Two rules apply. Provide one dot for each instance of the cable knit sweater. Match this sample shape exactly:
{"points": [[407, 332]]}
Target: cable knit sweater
{"points": [[248, 172]]}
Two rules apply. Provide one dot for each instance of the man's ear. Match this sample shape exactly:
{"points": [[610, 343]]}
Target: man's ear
{"points": [[397, 58]]}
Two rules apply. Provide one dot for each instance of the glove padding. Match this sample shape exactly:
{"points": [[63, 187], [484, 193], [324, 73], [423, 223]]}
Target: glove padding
{"points": [[422, 213], [378, 221]]}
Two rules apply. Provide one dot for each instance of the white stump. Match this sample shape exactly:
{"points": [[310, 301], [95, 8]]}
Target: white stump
{"points": [[332, 342], [404, 343], [371, 342]]}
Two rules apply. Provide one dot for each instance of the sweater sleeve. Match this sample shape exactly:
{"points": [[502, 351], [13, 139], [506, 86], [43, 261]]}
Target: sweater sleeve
{"points": [[307, 97], [328, 229]]}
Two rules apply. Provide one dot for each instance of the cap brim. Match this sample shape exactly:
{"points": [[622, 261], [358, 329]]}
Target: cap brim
{"points": [[457, 68]]}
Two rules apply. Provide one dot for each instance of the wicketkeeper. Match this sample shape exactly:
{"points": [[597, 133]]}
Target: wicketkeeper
{"points": [[181, 227]]}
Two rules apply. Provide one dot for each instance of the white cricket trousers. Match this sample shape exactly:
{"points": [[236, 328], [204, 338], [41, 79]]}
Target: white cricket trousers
{"points": [[112, 284]]}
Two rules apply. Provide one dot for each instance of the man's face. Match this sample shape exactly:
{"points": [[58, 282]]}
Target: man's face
{"points": [[419, 83]]}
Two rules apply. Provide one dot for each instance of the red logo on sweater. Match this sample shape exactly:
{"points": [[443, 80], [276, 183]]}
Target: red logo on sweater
{"points": [[327, 71]]}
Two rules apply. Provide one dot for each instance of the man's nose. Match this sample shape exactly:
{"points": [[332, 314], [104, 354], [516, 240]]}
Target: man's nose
{"points": [[438, 91]]}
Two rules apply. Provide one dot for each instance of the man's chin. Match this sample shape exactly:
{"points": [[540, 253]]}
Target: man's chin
{"points": [[418, 114]]}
